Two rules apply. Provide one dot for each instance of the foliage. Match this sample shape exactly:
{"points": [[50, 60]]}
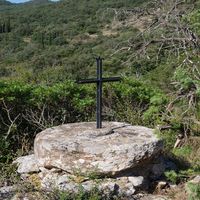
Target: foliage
{"points": [[5, 153], [9, 174], [187, 161], [190, 152], [172, 176], [184, 151], [57, 35], [168, 137], [194, 191], [177, 177]]}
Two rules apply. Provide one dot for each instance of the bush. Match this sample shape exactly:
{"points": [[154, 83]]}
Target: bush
{"points": [[172, 176], [194, 191]]}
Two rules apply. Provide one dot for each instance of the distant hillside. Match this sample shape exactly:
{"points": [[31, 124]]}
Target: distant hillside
{"points": [[64, 35], [39, 2], [4, 2], [57, 41]]}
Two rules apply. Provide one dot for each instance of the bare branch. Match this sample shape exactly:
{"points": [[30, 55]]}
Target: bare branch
{"points": [[11, 124]]}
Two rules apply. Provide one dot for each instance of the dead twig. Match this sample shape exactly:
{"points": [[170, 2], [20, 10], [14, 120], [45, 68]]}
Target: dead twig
{"points": [[12, 121]]}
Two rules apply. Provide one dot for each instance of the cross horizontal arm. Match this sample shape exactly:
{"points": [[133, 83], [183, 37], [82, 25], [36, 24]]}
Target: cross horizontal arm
{"points": [[91, 80], [94, 80], [111, 79]]}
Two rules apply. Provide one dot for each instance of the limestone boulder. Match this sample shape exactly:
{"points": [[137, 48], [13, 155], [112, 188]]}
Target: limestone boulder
{"points": [[81, 147]]}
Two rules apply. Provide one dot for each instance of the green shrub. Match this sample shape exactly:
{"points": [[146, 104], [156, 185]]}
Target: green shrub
{"points": [[172, 176], [183, 151], [194, 191], [9, 175]]}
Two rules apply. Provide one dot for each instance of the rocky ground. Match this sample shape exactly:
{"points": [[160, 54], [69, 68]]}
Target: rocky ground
{"points": [[119, 160]]}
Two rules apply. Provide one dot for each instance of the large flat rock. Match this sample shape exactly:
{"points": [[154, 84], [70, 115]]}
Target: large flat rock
{"points": [[80, 147]]}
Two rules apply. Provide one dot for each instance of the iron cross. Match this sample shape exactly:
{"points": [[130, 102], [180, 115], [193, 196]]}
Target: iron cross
{"points": [[99, 81]]}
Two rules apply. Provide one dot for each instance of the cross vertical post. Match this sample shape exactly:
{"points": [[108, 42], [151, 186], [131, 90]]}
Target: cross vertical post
{"points": [[99, 92]]}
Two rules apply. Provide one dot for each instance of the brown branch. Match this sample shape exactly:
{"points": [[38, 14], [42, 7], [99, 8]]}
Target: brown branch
{"points": [[11, 121]]}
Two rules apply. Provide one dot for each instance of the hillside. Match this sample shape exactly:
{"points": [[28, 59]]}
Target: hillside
{"points": [[51, 39], [4, 2], [66, 36], [153, 45]]}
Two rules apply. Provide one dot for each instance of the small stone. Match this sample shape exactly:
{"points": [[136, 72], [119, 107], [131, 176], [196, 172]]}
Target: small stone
{"points": [[7, 191], [173, 186], [195, 180], [63, 179], [136, 181], [70, 187], [49, 181], [81, 161], [129, 190], [109, 187], [161, 185], [27, 164], [24, 176], [55, 170], [88, 185]]}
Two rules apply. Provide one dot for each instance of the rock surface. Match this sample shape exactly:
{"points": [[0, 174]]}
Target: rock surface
{"points": [[126, 186], [108, 151], [27, 164], [7, 191], [195, 180], [155, 197]]}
